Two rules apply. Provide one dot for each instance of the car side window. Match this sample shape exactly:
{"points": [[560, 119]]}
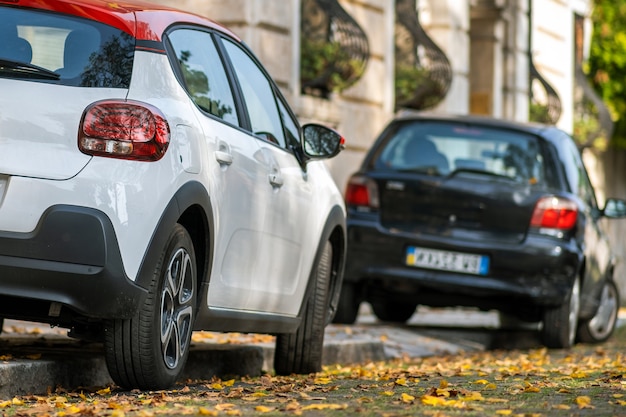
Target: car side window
{"points": [[265, 120], [579, 182], [292, 131], [203, 73]]}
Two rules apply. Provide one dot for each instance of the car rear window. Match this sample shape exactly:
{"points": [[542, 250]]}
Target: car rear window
{"points": [[441, 149], [52, 47]]}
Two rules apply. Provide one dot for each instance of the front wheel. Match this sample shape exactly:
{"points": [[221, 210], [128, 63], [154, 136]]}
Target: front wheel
{"points": [[600, 327], [560, 323], [149, 351], [301, 352]]}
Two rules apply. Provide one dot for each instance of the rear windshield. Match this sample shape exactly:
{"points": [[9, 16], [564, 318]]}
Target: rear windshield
{"points": [[442, 149], [52, 47]]}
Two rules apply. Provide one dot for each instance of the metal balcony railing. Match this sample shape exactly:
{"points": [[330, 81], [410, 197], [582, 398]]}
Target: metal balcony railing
{"points": [[545, 104], [423, 72], [334, 48]]}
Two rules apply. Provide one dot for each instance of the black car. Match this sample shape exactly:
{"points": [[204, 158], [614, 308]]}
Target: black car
{"points": [[479, 212]]}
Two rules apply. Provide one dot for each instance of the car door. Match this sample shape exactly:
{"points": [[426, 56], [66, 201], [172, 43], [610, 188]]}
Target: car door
{"points": [[231, 162], [281, 274], [595, 241]]}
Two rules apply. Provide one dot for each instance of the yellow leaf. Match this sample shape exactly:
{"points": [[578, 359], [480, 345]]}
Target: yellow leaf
{"points": [[34, 356], [432, 400], [17, 401], [481, 381], [401, 381], [259, 394], [206, 412], [229, 383], [504, 412], [618, 395], [117, 413], [406, 398], [491, 386], [443, 384], [73, 409], [387, 393], [217, 386], [562, 407], [104, 391], [322, 380], [224, 406], [583, 401], [5, 404], [579, 374], [263, 409], [233, 413]]}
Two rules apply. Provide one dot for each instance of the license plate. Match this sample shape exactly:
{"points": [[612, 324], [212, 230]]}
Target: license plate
{"points": [[447, 261]]}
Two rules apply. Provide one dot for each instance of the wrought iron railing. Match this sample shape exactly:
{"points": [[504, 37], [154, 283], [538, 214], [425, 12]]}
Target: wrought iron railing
{"points": [[545, 104], [334, 48], [423, 72]]}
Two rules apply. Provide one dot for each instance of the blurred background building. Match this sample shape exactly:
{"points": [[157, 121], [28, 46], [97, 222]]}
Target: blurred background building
{"points": [[352, 64]]}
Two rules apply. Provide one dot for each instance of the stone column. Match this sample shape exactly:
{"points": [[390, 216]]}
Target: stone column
{"points": [[447, 23]]}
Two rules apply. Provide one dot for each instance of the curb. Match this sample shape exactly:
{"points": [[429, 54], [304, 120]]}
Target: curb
{"points": [[48, 363]]}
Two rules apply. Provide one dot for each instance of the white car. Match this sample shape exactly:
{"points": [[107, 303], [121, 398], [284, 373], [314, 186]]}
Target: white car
{"points": [[153, 181]]}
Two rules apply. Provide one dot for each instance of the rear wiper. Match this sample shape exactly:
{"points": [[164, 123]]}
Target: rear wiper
{"points": [[479, 172], [25, 70]]}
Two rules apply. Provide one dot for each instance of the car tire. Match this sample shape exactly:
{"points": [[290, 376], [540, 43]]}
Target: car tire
{"points": [[349, 303], [560, 323], [392, 311], [149, 351], [600, 327], [301, 352]]}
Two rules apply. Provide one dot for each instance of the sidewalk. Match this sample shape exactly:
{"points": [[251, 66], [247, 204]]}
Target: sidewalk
{"points": [[36, 359]]}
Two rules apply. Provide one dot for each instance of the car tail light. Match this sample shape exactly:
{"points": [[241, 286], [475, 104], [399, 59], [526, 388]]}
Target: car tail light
{"points": [[554, 213], [124, 129], [362, 192]]}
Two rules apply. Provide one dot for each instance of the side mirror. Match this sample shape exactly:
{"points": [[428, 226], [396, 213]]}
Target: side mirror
{"points": [[614, 208], [319, 142]]}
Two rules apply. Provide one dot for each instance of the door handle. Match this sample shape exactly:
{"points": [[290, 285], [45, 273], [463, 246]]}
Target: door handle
{"points": [[276, 180], [223, 154]]}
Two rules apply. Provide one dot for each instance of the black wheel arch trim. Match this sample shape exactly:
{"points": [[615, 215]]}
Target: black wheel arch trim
{"points": [[190, 194]]}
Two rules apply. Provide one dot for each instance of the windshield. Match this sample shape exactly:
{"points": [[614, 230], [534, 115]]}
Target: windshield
{"points": [[446, 149], [52, 47]]}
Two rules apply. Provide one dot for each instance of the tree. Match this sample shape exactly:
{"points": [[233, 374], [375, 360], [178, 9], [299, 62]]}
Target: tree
{"points": [[607, 61]]}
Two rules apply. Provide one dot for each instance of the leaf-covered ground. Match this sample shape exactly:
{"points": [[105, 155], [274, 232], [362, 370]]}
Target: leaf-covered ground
{"points": [[589, 380]]}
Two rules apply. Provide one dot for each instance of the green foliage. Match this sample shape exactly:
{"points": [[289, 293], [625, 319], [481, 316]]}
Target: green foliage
{"points": [[327, 66], [408, 79], [538, 112], [607, 61]]}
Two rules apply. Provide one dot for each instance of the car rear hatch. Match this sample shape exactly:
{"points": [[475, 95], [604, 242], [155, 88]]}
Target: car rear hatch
{"points": [[52, 66], [467, 183]]}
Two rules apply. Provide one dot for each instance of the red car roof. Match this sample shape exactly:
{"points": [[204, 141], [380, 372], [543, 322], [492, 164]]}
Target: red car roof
{"points": [[143, 20]]}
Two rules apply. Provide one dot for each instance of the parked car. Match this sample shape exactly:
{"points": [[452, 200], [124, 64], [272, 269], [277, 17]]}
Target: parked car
{"points": [[154, 181], [477, 212]]}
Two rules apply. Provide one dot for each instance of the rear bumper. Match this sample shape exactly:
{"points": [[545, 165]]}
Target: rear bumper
{"points": [[71, 258], [539, 271]]}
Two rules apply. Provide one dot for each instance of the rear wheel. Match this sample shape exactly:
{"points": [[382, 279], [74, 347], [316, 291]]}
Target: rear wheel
{"points": [[600, 327], [301, 352], [560, 323], [349, 303], [392, 311], [149, 351]]}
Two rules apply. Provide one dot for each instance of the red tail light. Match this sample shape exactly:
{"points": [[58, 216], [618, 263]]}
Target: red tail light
{"points": [[124, 129], [362, 192], [555, 213]]}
